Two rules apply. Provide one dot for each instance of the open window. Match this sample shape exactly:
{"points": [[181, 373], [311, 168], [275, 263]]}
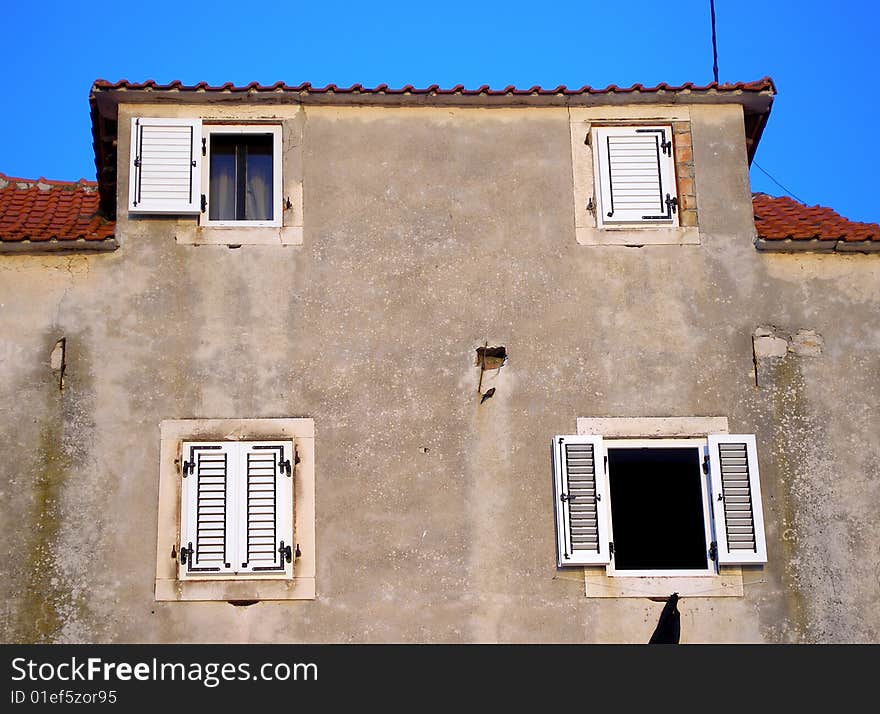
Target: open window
{"points": [[227, 174], [658, 507], [241, 175]]}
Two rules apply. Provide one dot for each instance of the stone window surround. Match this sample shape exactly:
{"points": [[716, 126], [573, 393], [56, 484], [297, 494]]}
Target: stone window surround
{"points": [[172, 433], [597, 583], [581, 121]]}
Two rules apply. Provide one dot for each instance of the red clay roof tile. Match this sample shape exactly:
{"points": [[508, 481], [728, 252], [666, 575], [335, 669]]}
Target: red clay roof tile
{"points": [[760, 85], [39, 210], [780, 218]]}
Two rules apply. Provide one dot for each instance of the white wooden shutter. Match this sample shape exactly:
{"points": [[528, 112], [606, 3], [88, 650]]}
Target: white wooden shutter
{"points": [[635, 170], [165, 166], [265, 508], [580, 497], [736, 499], [207, 526]]}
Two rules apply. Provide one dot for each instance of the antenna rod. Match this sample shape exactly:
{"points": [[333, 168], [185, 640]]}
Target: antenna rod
{"points": [[714, 43]]}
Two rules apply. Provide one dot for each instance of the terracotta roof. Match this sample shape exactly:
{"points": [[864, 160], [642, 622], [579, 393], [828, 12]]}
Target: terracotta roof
{"points": [[784, 224], [761, 85], [38, 215]]}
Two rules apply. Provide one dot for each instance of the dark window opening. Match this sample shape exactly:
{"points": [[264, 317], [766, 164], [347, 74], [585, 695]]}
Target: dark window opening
{"points": [[241, 177], [657, 509]]}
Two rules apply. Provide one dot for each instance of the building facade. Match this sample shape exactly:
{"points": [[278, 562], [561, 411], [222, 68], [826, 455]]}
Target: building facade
{"points": [[295, 369]]}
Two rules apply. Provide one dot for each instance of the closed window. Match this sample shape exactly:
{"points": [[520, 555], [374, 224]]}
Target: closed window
{"points": [[634, 168], [237, 505], [236, 517], [672, 507]]}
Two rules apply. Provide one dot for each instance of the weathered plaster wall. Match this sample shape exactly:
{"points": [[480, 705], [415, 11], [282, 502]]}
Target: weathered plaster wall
{"points": [[426, 233]]}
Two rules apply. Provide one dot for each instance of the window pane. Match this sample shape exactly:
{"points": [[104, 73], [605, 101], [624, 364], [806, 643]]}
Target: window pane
{"points": [[657, 509], [223, 178], [241, 177], [258, 189]]}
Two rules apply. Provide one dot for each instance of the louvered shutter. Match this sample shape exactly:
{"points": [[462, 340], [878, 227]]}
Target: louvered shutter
{"points": [[579, 493], [736, 499], [207, 528], [636, 174], [165, 169], [265, 538]]}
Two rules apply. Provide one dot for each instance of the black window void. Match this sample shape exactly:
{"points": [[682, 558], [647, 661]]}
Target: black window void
{"points": [[241, 177], [657, 509]]}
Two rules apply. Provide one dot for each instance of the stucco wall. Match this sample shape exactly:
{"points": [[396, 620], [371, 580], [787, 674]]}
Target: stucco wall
{"points": [[426, 233]]}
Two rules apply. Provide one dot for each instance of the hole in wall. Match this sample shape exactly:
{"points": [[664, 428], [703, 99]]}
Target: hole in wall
{"points": [[58, 361], [491, 357], [242, 603]]}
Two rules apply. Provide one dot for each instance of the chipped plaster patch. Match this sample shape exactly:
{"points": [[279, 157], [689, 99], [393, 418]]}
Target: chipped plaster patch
{"points": [[808, 343]]}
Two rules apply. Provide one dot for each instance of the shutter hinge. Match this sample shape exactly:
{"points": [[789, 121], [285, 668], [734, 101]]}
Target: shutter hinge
{"points": [[286, 552], [611, 547], [285, 466], [204, 202], [666, 146], [565, 497], [671, 204], [204, 148], [706, 464], [188, 467], [186, 553], [713, 551], [591, 206], [297, 552], [137, 161]]}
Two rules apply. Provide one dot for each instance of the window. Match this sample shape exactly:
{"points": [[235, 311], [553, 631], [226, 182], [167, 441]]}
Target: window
{"points": [[228, 174], [658, 507], [242, 175], [624, 164], [634, 170], [236, 510]]}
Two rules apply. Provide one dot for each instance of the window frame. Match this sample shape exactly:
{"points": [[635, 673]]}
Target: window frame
{"points": [[238, 128], [702, 444]]}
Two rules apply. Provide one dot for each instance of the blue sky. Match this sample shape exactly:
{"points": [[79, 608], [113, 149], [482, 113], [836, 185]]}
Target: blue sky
{"points": [[820, 143]]}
